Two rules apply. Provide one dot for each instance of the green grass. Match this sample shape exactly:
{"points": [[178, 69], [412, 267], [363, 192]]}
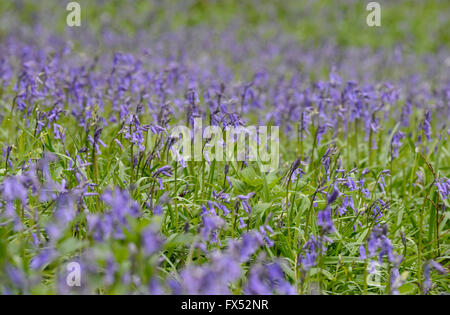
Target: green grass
{"points": [[415, 210], [411, 210], [419, 26]]}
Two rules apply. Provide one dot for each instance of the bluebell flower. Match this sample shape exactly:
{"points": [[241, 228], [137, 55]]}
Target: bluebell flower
{"points": [[427, 125], [334, 195], [42, 259], [244, 201], [443, 186], [151, 241], [325, 221], [362, 252]]}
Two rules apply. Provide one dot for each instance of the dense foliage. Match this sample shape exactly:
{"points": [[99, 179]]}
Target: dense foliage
{"points": [[359, 203]]}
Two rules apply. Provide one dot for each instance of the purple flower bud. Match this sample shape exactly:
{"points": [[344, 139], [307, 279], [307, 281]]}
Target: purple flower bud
{"points": [[334, 195], [362, 252], [325, 221]]}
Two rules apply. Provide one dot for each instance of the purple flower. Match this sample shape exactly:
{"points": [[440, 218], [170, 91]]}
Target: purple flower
{"points": [[154, 287], [438, 267], [247, 247], [443, 186], [222, 196], [244, 201], [211, 278], [396, 143], [111, 224], [386, 249], [211, 222], [396, 280], [151, 241], [350, 184], [347, 202], [118, 143], [222, 207], [378, 240], [42, 259], [325, 221], [14, 189], [334, 195], [110, 270], [165, 170], [311, 250], [362, 252], [427, 284], [372, 245], [427, 125], [133, 131], [266, 280], [16, 276]]}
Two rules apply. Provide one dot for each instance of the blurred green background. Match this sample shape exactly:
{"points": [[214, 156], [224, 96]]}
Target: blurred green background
{"points": [[417, 25]]}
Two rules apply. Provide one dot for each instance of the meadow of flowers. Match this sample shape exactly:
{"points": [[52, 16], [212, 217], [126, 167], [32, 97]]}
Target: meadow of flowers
{"points": [[359, 203]]}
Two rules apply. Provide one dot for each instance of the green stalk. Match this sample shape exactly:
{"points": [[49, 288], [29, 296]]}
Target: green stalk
{"points": [[308, 215], [356, 141], [175, 194], [287, 212], [419, 255], [131, 165]]}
